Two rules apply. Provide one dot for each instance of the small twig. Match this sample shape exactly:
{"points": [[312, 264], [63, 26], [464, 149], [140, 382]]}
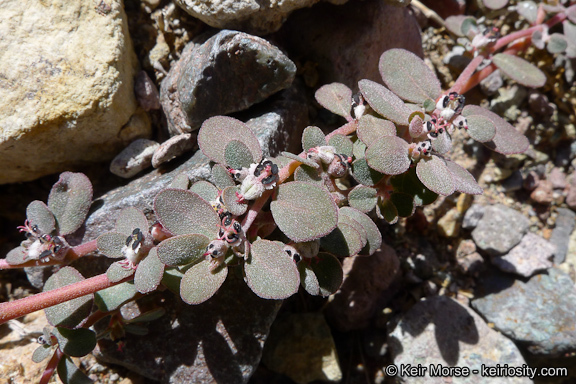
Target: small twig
{"points": [[52, 366], [429, 13]]}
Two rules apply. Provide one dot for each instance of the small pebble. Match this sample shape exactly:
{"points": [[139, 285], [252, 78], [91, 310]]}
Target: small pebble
{"points": [[558, 178], [540, 105], [172, 148], [543, 194], [564, 226], [134, 158], [146, 92], [473, 216], [471, 264]]}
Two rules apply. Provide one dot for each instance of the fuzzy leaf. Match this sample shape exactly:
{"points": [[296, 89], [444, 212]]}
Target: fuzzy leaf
{"points": [[454, 24], [323, 276], [495, 4], [342, 241], [70, 313], [231, 201], [171, 279], [111, 244], [75, 342], [434, 174], [183, 212], [348, 220], [117, 272], [205, 190], [480, 128], [407, 76], [416, 127], [182, 250], [69, 201], [569, 31], [507, 140], [363, 198], [335, 97], [38, 214], [443, 143], [292, 156], [409, 183], [270, 272], [308, 174], [571, 13], [304, 211], [237, 155], [342, 144], [365, 175], [359, 149], [388, 155], [519, 70], [199, 283], [41, 353], [470, 27], [429, 106], [180, 181], [129, 219], [372, 128], [528, 10], [149, 273], [146, 317], [312, 137], [373, 236], [463, 181], [383, 101], [17, 256], [218, 131], [388, 211], [557, 43], [110, 299], [221, 177], [404, 204], [69, 373]]}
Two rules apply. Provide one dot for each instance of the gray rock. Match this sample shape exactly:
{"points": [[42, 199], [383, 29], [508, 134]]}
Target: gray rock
{"points": [[67, 87], [514, 182], [365, 279], [492, 83], [173, 147], [146, 92], [440, 331], [558, 178], [472, 216], [469, 261], [538, 314], [225, 73], [134, 158], [508, 97], [500, 229], [534, 253], [565, 223]]}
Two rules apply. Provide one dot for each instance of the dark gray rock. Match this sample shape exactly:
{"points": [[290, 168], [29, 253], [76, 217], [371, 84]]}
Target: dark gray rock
{"points": [[492, 83], [500, 229], [538, 314], [565, 223], [534, 253], [473, 216], [441, 331], [225, 73], [514, 182]]}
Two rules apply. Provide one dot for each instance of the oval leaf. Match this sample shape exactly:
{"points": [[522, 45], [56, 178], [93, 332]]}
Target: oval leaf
{"points": [[345, 219], [221, 177], [129, 219], [312, 137], [480, 128], [335, 97], [38, 214], [410, 183], [199, 283], [292, 156], [205, 190], [17, 256], [519, 70], [308, 174], [388, 211], [270, 272], [416, 128], [434, 174], [323, 276], [371, 128], [230, 198], [342, 241], [304, 211], [149, 273], [557, 43], [69, 373], [218, 131], [110, 299], [116, 272], [238, 155], [342, 144], [111, 244], [70, 313], [69, 201], [182, 250], [75, 342], [365, 175], [454, 24], [528, 10], [183, 212], [408, 76], [373, 236], [359, 149], [443, 143], [41, 353], [180, 181], [463, 181], [383, 101], [363, 198], [388, 155]]}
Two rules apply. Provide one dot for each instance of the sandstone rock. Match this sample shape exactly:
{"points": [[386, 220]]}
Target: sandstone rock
{"points": [[66, 87]]}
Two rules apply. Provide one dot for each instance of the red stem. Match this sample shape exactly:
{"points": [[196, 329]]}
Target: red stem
{"points": [[73, 254], [465, 76], [51, 367], [254, 210], [346, 129], [14, 309], [82, 250]]}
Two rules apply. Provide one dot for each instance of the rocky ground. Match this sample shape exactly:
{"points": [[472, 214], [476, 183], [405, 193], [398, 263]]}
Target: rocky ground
{"points": [[497, 270]]}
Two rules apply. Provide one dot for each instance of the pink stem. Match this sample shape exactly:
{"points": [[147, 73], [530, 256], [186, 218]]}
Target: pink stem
{"points": [[254, 210], [73, 254], [502, 42], [82, 250], [346, 129], [465, 76], [51, 367]]}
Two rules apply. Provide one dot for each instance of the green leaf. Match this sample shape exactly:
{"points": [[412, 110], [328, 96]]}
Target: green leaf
{"points": [[348, 220], [388, 211], [528, 10], [363, 198], [199, 283], [238, 155], [335, 97], [41, 353], [388, 155], [221, 177], [365, 175], [434, 174], [116, 272], [408, 76], [70, 374], [149, 273], [463, 181], [321, 277], [205, 190], [38, 214], [410, 183], [292, 156], [17, 256], [70, 313], [519, 70], [342, 144], [429, 106], [359, 149], [218, 131], [557, 43], [182, 250], [308, 174], [342, 241], [231, 201], [304, 211], [180, 181], [69, 201], [183, 212], [270, 272], [146, 317], [171, 279], [404, 204], [470, 27], [110, 299], [383, 101], [111, 244], [371, 128], [373, 236], [480, 128], [443, 143], [129, 219], [312, 137], [75, 342], [416, 127], [454, 24]]}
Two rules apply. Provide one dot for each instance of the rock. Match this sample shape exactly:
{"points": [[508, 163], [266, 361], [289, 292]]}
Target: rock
{"points": [[365, 279], [67, 87], [449, 224], [173, 147], [538, 315], [533, 254], [500, 229], [531, 181], [540, 105], [146, 92], [544, 192], [514, 182], [571, 194], [565, 223], [440, 331], [342, 55], [134, 158], [473, 216], [508, 97], [225, 73], [469, 261], [491, 84], [301, 347]]}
